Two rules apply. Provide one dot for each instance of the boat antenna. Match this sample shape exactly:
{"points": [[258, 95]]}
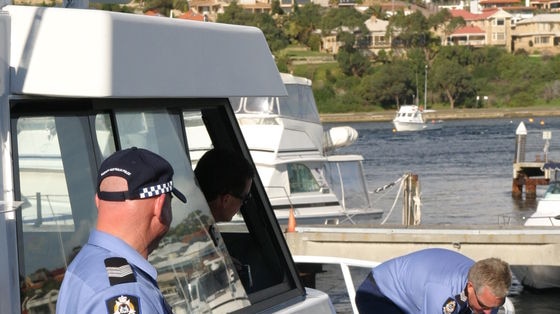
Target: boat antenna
{"points": [[425, 86], [417, 95]]}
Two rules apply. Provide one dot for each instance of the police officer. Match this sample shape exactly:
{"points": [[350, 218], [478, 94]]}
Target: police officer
{"points": [[111, 273], [435, 281]]}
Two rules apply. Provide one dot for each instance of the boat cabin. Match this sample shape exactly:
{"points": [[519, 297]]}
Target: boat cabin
{"points": [[77, 85]]}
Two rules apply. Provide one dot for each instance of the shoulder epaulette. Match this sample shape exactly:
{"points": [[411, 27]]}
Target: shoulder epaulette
{"points": [[119, 271]]}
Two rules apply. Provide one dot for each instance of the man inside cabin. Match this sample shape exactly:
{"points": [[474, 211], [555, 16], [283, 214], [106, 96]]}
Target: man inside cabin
{"points": [[435, 281], [225, 178], [111, 273]]}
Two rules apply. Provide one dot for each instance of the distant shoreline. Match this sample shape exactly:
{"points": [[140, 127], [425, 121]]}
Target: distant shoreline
{"points": [[445, 114]]}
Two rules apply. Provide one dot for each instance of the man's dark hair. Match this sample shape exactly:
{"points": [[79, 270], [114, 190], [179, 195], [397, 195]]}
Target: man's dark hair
{"points": [[221, 171]]}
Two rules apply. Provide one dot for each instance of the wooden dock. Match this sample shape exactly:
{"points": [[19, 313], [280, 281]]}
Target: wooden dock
{"points": [[527, 175], [517, 245]]}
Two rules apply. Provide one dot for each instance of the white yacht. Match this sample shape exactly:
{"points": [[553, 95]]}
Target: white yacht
{"points": [[411, 118], [548, 209], [295, 158], [546, 215]]}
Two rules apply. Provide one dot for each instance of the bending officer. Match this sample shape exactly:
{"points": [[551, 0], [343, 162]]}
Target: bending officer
{"points": [[435, 281]]}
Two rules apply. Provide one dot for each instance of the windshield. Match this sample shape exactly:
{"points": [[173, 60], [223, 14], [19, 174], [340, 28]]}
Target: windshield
{"points": [[299, 104]]}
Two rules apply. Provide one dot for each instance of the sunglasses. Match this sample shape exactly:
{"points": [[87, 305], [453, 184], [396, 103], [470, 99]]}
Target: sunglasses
{"points": [[243, 198], [482, 305]]}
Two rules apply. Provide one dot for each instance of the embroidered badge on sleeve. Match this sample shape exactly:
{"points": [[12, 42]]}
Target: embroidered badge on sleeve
{"points": [[449, 306], [123, 304]]}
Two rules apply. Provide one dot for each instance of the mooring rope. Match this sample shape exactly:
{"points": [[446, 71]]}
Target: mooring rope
{"points": [[390, 185]]}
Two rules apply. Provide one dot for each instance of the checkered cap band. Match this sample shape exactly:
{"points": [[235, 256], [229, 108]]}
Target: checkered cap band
{"points": [[156, 190]]}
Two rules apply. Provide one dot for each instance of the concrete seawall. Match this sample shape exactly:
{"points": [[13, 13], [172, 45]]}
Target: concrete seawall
{"points": [[445, 114]]}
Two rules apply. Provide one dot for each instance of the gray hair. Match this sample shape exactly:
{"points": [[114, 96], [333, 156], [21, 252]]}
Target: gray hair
{"points": [[492, 273]]}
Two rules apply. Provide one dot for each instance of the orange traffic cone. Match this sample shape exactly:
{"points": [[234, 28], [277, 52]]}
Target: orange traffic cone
{"points": [[291, 221]]}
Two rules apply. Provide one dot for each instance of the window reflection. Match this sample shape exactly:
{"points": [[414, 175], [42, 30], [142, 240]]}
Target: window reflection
{"points": [[194, 268], [301, 179], [54, 178]]}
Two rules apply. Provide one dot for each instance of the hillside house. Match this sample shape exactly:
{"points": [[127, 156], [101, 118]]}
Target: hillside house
{"points": [[491, 27], [377, 39], [540, 33]]}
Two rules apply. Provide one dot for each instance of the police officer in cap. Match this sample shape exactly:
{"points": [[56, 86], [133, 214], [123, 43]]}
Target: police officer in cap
{"points": [[435, 281], [111, 273]]}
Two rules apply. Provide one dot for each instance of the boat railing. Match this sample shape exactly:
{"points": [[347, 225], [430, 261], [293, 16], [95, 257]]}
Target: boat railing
{"points": [[554, 220], [346, 263], [283, 193]]}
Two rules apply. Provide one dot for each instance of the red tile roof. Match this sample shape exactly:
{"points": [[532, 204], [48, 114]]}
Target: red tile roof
{"points": [[483, 2], [191, 15], [468, 16]]}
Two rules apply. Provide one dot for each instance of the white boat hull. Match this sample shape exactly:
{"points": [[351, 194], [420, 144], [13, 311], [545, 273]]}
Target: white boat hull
{"points": [[546, 215], [411, 118], [537, 276], [416, 126]]}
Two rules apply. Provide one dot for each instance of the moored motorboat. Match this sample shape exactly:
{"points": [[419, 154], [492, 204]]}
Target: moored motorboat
{"points": [[295, 158], [546, 215], [548, 209], [411, 118]]}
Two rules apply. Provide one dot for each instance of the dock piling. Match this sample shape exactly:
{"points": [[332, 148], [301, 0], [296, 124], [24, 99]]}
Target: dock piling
{"points": [[527, 174]]}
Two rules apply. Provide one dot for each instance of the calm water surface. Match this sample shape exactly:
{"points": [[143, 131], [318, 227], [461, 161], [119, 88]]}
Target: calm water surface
{"points": [[465, 174]]}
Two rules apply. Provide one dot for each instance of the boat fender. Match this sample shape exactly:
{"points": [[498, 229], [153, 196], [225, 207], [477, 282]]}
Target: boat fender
{"points": [[340, 136]]}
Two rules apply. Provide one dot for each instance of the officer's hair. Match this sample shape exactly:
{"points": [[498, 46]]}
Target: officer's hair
{"points": [[492, 273]]}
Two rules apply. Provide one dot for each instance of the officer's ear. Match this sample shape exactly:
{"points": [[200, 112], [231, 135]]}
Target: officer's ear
{"points": [[160, 204]]}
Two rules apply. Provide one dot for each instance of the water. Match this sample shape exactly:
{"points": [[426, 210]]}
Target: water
{"points": [[465, 175]]}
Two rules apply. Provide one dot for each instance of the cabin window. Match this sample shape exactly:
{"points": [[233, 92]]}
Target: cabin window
{"points": [[300, 103], [58, 148], [264, 105], [56, 182], [301, 179], [347, 182]]}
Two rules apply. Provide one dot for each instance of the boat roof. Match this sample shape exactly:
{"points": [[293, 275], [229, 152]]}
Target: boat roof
{"points": [[290, 79], [93, 53], [310, 158]]}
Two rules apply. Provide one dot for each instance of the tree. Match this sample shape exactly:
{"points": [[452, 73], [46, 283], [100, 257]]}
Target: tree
{"points": [[234, 14], [164, 7], [336, 19], [450, 73], [303, 22], [391, 85], [275, 37], [275, 8], [350, 60], [415, 31]]}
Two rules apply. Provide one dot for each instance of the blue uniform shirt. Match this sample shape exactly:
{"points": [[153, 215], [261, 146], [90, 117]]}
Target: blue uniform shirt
{"points": [[99, 280], [430, 281]]}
